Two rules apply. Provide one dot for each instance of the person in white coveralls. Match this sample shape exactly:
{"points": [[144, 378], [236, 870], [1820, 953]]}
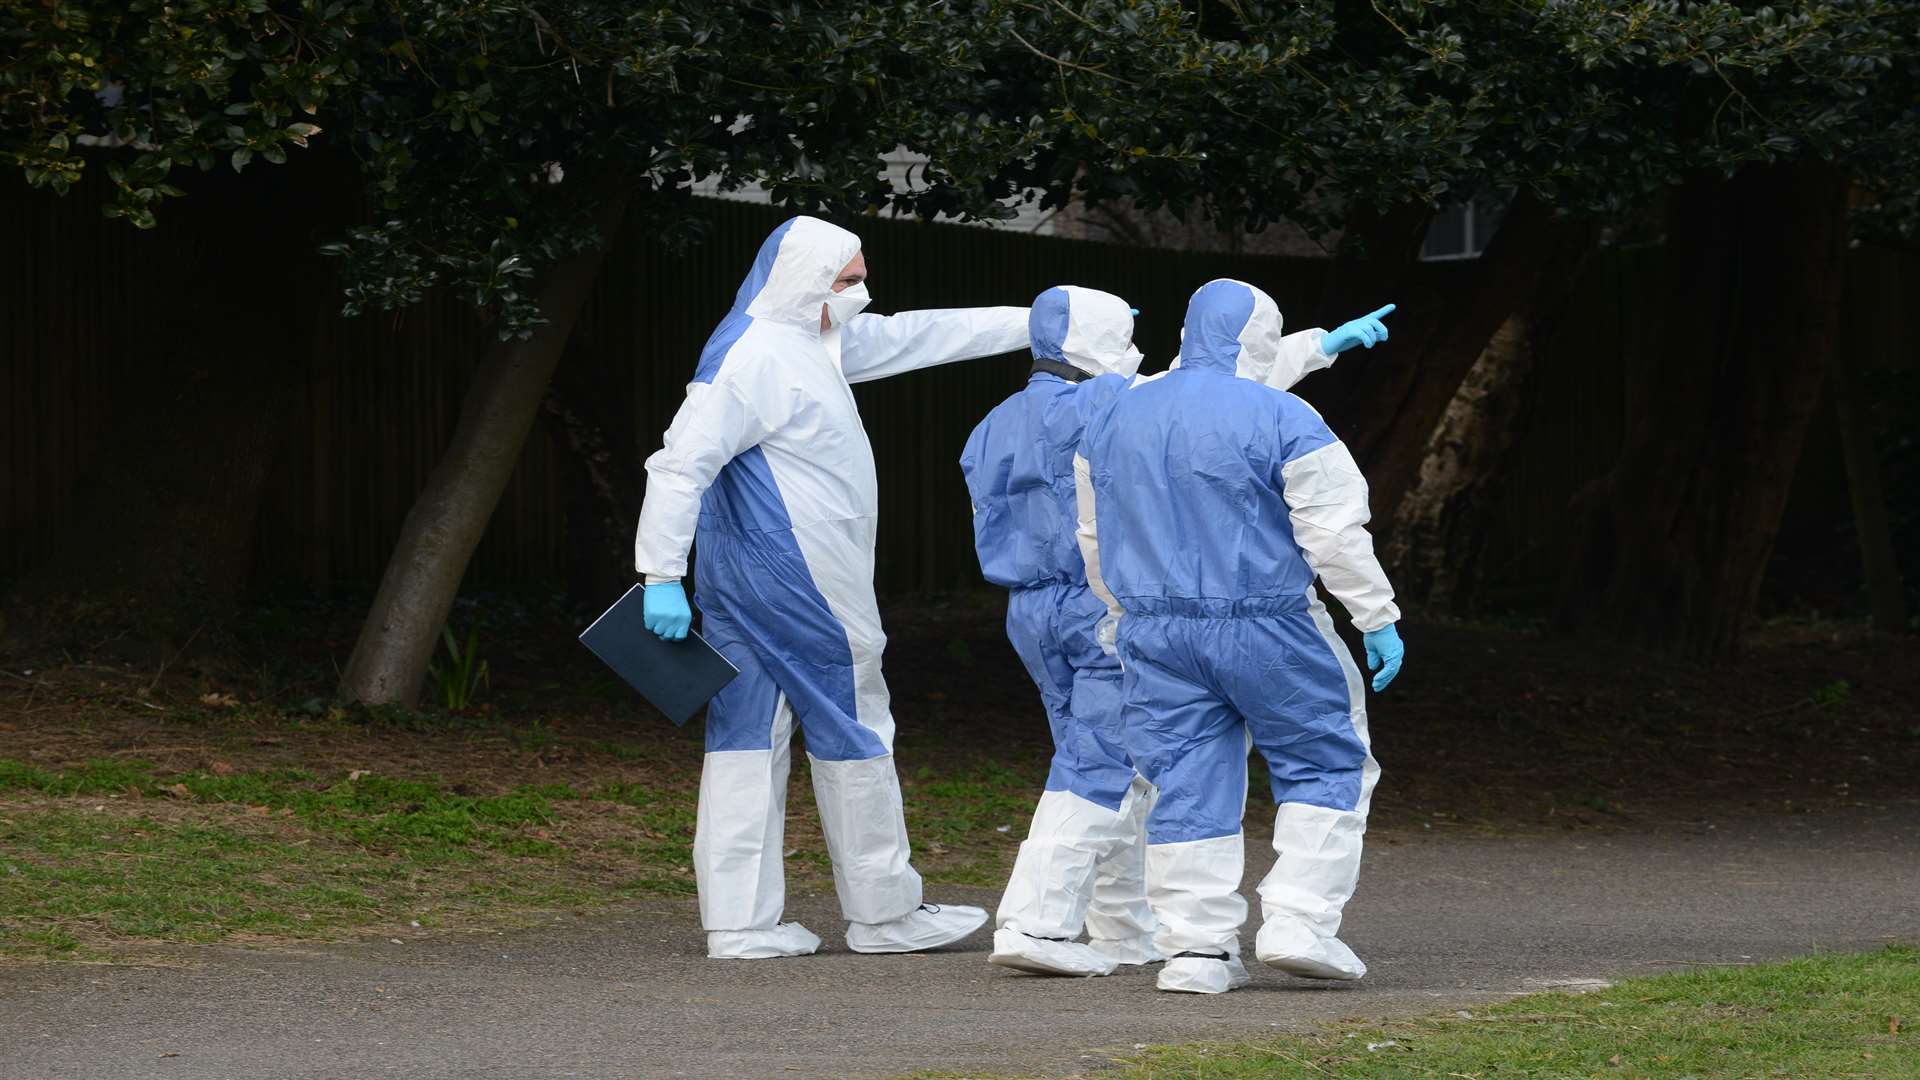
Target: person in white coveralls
{"points": [[768, 464]]}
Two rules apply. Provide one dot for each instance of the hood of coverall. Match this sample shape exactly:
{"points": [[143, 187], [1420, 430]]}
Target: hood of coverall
{"points": [[1232, 327], [794, 272], [1087, 328]]}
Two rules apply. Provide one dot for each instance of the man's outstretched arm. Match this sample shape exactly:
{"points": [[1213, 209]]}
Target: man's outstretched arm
{"points": [[876, 346]]}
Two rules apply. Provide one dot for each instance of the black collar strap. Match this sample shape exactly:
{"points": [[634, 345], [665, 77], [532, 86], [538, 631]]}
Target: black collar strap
{"points": [[1055, 367]]}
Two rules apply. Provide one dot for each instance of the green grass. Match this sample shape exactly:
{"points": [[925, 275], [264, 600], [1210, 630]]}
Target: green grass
{"points": [[110, 852], [956, 820], [664, 847], [1824, 1017], [369, 810], [113, 852], [622, 751], [93, 778], [73, 879]]}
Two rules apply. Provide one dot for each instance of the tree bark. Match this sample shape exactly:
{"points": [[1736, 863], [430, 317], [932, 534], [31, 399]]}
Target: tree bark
{"points": [[1386, 404], [1441, 524], [1676, 538], [1434, 552], [448, 518]]}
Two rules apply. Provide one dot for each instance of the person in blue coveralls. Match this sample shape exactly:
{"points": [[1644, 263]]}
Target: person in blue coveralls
{"points": [[1208, 505], [1083, 862], [768, 463]]}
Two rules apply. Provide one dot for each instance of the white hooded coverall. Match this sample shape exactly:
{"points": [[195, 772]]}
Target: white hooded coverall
{"points": [[768, 463]]}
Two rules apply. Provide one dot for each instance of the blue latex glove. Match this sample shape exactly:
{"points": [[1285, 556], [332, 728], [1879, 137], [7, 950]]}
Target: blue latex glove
{"points": [[664, 609], [1384, 653], [1366, 330]]}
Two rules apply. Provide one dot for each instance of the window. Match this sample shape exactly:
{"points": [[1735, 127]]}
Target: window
{"points": [[1461, 231]]}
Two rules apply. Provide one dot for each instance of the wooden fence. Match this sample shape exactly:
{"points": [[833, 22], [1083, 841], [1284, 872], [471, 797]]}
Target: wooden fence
{"points": [[80, 298]]}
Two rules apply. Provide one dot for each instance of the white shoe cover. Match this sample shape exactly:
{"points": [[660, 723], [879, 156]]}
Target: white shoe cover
{"points": [[927, 927], [1203, 975], [1129, 951], [1045, 956], [1297, 950], [786, 939]]}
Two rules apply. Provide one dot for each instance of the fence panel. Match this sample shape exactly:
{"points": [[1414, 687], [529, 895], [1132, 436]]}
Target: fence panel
{"points": [[379, 395]]}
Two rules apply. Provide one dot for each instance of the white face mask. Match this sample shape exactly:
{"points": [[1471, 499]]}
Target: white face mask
{"points": [[847, 303]]}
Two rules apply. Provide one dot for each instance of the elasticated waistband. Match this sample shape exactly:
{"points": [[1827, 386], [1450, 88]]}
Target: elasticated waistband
{"points": [[1182, 607], [1050, 583]]}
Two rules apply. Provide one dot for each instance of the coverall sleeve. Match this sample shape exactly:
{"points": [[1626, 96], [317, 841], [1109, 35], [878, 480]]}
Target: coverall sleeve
{"points": [[716, 423], [1088, 533], [876, 346], [1327, 503], [1300, 356], [970, 458]]}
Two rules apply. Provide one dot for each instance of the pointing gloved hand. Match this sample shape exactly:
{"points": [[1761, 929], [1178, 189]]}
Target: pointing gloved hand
{"points": [[1366, 330], [664, 609], [1384, 652]]}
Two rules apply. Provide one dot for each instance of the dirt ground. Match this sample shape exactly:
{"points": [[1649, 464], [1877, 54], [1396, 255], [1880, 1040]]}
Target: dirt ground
{"points": [[1489, 726]]}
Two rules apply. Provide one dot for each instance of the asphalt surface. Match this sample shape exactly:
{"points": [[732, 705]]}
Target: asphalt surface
{"points": [[1442, 921]]}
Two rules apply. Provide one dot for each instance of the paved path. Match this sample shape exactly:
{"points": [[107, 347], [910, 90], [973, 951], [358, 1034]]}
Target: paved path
{"points": [[1442, 921]]}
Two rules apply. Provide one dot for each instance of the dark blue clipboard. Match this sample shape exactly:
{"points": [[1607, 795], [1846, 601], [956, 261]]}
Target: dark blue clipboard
{"points": [[678, 677]]}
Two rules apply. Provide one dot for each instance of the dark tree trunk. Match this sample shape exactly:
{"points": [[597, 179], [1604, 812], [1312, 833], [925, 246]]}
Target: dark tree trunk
{"points": [[1385, 404], [1441, 524], [1675, 539], [1441, 527], [448, 518]]}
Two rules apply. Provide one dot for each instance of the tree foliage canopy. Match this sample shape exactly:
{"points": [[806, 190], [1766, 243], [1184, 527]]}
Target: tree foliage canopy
{"points": [[486, 131], [1307, 111]]}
